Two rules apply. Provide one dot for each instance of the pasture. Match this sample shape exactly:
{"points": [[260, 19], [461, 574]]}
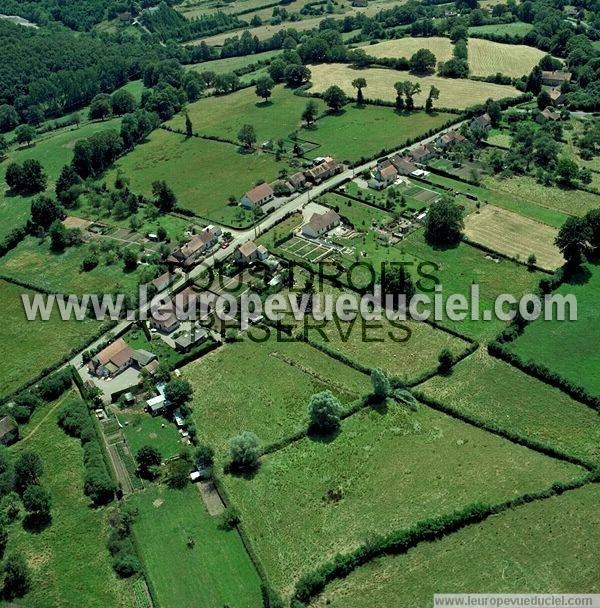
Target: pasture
{"points": [[264, 388], [359, 132], [229, 64], [490, 389], [487, 58], [406, 47], [28, 347], [569, 348], [203, 174], [562, 536], [215, 570], [512, 29], [385, 470], [454, 93], [514, 235], [77, 535]]}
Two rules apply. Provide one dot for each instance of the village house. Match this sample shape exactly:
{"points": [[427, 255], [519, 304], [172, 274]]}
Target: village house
{"points": [[547, 114], [403, 164], [422, 153], [449, 139], [9, 430], [186, 342], [186, 305], [555, 78], [385, 175], [249, 252], [297, 182], [557, 96], [163, 281], [194, 248], [323, 169], [117, 357], [258, 196], [481, 122], [321, 223]]}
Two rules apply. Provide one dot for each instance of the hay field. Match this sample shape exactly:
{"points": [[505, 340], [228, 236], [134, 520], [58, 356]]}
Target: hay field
{"points": [[487, 58], [380, 85], [406, 47], [514, 235]]}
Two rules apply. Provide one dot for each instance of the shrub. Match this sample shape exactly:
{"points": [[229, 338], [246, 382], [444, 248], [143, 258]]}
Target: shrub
{"points": [[230, 518]]}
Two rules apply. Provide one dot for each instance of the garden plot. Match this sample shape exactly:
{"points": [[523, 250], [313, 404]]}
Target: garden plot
{"points": [[311, 251]]}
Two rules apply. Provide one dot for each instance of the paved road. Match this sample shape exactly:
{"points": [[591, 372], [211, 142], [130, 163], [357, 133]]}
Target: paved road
{"points": [[294, 203]]}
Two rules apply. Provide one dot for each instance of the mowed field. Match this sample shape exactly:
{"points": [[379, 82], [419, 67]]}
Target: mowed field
{"points": [[202, 173], [392, 469], [264, 388], [142, 429], [69, 562], [454, 93], [28, 347], [514, 235], [225, 116], [542, 547], [215, 572], [487, 58], [406, 47], [363, 131], [489, 389], [569, 348]]}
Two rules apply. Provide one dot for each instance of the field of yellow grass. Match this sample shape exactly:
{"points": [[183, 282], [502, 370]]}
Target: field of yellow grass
{"points": [[487, 58], [406, 47]]}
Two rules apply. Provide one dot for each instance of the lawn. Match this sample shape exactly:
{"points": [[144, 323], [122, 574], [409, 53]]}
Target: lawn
{"points": [[76, 538], [391, 469], [202, 173], [28, 347], [359, 132], [514, 235], [142, 429], [487, 58], [216, 571], [33, 262], [454, 93], [224, 116], [406, 47], [569, 348], [561, 533], [487, 388], [513, 29], [264, 388], [229, 64]]}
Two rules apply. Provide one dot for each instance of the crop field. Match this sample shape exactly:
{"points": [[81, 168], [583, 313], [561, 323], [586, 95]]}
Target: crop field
{"points": [[224, 116], [406, 47], [515, 60], [40, 343], [142, 429], [520, 403], [569, 348], [202, 173], [272, 399], [33, 262], [562, 538], [363, 131], [454, 93], [77, 534], [514, 235], [229, 64], [405, 466], [513, 29], [216, 568]]}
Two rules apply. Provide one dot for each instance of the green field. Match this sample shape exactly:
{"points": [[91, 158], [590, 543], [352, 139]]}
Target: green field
{"points": [[393, 468], [545, 547], [229, 64], [490, 389], [513, 29], [77, 536], [569, 348], [142, 429], [363, 131], [216, 571], [224, 116], [264, 388], [31, 346], [203, 174]]}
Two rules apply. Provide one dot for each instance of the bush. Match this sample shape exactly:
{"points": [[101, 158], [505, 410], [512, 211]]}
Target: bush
{"points": [[230, 518], [324, 412], [126, 565], [244, 451]]}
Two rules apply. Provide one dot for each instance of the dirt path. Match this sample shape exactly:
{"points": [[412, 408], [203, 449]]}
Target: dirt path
{"points": [[39, 424]]}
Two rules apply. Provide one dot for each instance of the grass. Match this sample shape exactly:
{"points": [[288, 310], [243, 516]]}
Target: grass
{"points": [[487, 58], [454, 93], [513, 29], [485, 387], [225, 116], [77, 535], [546, 546], [267, 387], [514, 235], [216, 569], [392, 468], [31, 346], [569, 348], [142, 429], [229, 64], [363, 131], [219, 170], [406, 47]]}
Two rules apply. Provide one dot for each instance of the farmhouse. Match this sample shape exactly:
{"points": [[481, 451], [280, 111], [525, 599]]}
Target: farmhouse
{"points": [[481, 122], [449, 139], [248, 252], [323, 169], [384, 175], [9, 430], [297, 182], [117, 357], [555, 78], [557, 96], [258, 196], [194, 248], [321, 223], [547, 114]]}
